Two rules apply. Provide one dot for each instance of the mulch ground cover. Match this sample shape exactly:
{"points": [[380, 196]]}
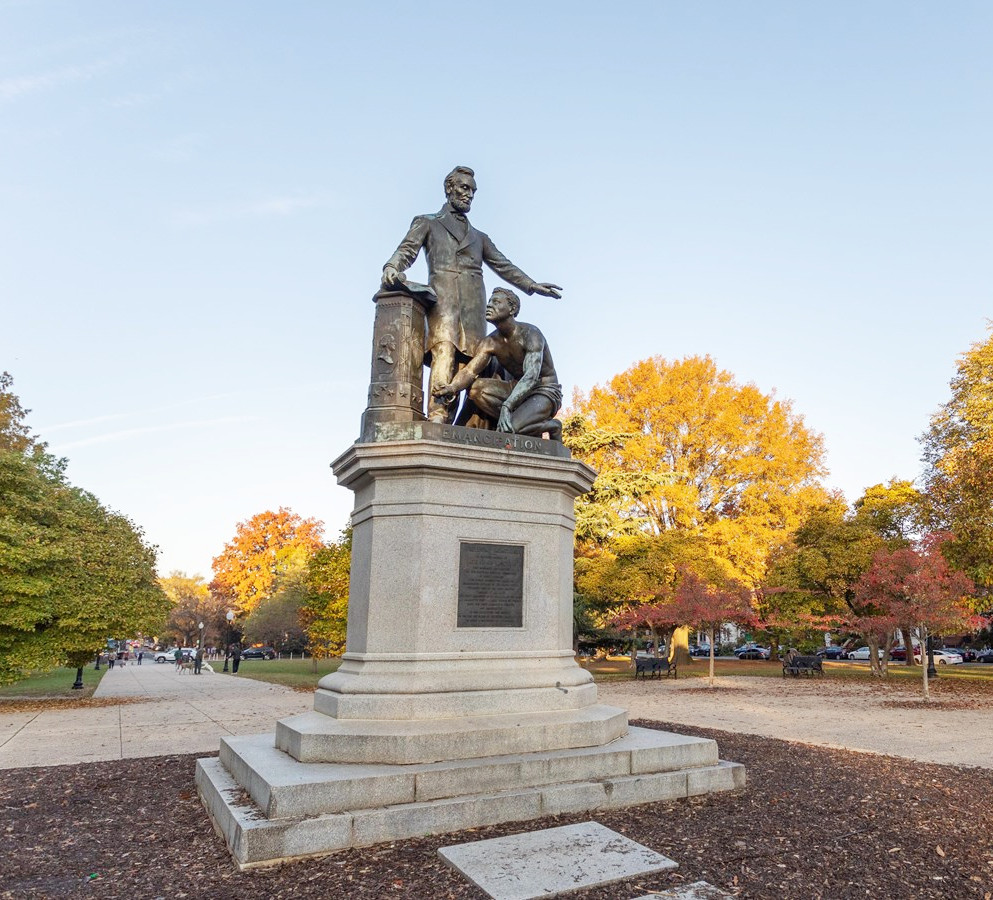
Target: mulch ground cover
{"points": [[812, 823]]}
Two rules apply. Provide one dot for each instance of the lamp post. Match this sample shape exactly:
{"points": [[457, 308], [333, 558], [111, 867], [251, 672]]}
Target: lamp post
{"points": [[932, 672], [227, 638]]}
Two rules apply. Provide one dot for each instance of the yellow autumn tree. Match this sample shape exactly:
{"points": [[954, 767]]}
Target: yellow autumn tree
{"points": [[264, 549], [730, 465]]}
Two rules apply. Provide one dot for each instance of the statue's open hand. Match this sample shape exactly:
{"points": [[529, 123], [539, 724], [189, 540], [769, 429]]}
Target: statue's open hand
{"points": [[392, 276], [504, 422], [547, 289]]}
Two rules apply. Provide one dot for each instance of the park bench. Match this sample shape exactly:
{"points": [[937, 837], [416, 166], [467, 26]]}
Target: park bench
{"points": [[797, 665], [654, 668]]}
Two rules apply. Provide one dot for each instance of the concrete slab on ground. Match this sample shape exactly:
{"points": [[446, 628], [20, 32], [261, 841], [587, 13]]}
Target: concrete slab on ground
{"points": [[552, 862]]}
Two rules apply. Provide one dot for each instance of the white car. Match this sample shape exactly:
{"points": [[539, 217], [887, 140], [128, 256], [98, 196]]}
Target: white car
{"points": [[162, 656], [863, 653], [947, 658]]}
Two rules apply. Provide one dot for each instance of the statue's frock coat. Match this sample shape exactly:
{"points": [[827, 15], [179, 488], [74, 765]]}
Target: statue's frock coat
{"points": [[455, 253]]}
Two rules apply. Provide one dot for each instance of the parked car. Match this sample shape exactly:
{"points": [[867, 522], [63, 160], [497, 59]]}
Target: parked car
{"points": [[832, 653], [863, 653], [947, 658], [163, 656], [899, 654], [258, 653], [967, 654], [752, 651], [700, 650], [984, 656]]}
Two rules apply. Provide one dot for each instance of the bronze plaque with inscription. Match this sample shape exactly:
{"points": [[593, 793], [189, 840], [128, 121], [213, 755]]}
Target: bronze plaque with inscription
{"points": [[491, 586]]}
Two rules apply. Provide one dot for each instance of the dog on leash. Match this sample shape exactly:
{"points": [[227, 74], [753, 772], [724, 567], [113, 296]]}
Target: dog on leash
{"points": [[186, 666]]}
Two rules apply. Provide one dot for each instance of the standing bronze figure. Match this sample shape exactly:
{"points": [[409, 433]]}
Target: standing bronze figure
{"points": [[455, 254]]}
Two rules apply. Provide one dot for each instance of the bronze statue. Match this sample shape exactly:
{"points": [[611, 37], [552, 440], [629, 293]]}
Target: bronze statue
{"points": [[455, 254], [527, 404]]}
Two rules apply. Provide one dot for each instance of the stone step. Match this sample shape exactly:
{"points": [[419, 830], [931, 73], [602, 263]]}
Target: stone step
{"points": [[284, 787], [254, 839], [314, 737]]}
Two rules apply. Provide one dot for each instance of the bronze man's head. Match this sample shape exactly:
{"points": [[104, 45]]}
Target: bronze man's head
{"points": [[460, 186], [499, 298]]}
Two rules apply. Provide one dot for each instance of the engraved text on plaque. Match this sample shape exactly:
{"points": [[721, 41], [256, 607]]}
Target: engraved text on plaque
{"points": [[491, 586]]}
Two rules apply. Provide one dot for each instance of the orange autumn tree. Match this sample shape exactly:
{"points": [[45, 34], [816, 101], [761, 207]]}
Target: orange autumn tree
{"points": [[265, 549]]}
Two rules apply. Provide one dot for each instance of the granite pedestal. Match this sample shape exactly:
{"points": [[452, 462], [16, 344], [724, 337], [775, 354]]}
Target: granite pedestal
{"points": [[459, 702]]}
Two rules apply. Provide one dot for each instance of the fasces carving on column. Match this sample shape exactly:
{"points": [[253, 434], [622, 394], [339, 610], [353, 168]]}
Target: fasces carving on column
{"points": [[395, 391]]}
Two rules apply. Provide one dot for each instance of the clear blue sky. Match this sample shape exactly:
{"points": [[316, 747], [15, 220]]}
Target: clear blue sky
{"points": [[197, 200]]}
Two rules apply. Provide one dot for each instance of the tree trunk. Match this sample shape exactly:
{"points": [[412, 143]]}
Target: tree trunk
{"points": [[927, 692], [908, 641], [873, 645], [710, 636], [679, 649], [887, 646]]}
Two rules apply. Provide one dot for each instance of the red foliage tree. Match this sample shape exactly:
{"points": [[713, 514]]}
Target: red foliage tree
{"points": [[916, 584], [708, 606], [695, 602]]}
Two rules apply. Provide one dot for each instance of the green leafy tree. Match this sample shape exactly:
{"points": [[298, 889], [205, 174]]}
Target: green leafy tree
{"points": [[14, 433], [324, 613], [813, 581], [958, 455], [72, 573]]}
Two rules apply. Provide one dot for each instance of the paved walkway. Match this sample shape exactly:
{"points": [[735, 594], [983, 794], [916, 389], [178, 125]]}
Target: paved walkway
{"points": [[185, 713], [828, 712]]}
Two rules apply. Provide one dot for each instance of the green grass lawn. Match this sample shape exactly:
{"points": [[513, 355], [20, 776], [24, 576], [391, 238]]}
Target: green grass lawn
{"points": [[56, 683], [294, 673], [620, 668]]}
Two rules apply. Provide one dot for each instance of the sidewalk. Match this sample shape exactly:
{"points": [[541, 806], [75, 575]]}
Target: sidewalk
{"points": [[829, 713], [185, 713]]}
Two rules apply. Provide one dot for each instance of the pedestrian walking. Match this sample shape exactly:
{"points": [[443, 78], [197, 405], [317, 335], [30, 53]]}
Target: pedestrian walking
{"points": [[141, 653], [197, 660], [111, 659], [235, 658]]}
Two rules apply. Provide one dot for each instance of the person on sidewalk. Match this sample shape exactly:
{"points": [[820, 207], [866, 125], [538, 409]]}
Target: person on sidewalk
{"points": [[197, 660], [235, 658], [141, 653]]}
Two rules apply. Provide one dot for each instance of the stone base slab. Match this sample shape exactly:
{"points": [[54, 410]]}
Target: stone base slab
{"points": [[270, 807], [554, 861], [315, 737]]}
